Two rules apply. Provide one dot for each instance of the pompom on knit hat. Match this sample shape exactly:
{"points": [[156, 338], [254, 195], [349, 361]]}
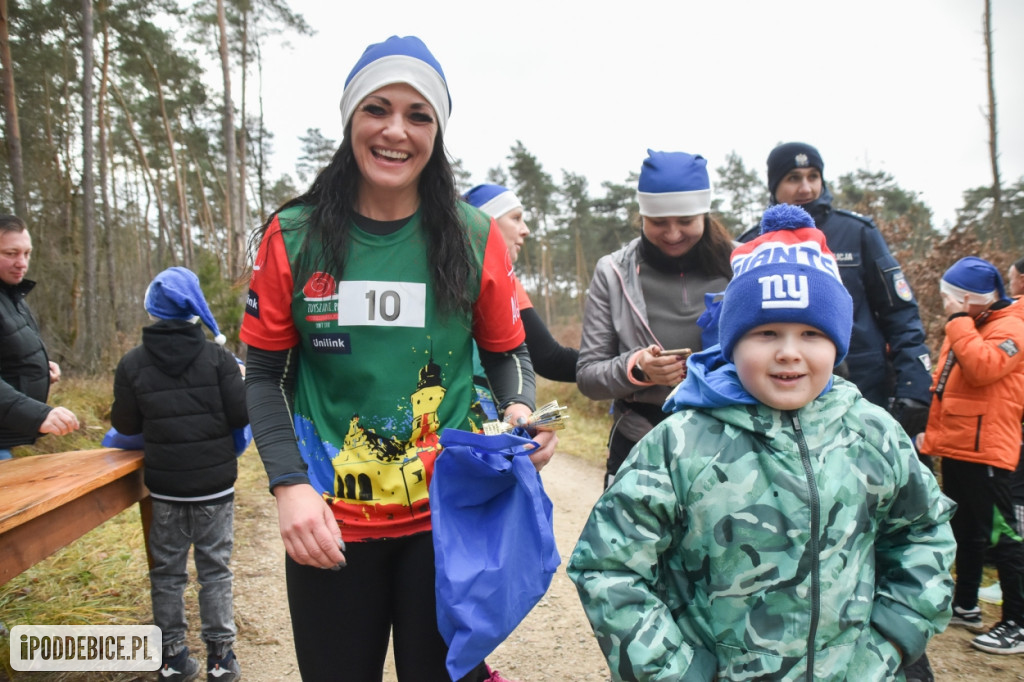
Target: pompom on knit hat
{"points": [[973, 280], [494, 200], [673, 184], [786, 274], [397, 60], [788, 156], [175, 294]]}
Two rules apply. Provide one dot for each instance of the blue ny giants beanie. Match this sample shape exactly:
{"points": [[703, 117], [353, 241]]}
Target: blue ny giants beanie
{"points": [[786, 274]]}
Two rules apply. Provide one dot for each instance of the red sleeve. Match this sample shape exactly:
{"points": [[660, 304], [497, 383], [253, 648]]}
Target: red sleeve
{"points": [[524, 298], [267, 322], [496, 323]]}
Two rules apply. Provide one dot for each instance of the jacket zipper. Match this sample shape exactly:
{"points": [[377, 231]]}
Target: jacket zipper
{"points": [[814, 501]]}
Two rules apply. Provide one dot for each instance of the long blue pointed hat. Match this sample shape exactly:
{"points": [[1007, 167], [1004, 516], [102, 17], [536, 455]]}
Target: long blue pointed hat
{"points": [[175, 294], [975, 280]]}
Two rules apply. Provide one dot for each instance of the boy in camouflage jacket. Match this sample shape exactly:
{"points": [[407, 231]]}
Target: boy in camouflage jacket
{"points": [[778, 525]]}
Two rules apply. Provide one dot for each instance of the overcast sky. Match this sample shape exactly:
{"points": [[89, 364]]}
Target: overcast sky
{"points": [[891, 85]]}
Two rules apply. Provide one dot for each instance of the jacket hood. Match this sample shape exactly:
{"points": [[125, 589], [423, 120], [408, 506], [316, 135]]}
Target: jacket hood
{"points": [[173, 344], [711, 381]]}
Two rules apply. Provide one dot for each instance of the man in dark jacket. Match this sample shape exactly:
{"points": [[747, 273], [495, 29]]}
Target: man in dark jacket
{"points": [[25, 370], [888, 359], [185, 395]]}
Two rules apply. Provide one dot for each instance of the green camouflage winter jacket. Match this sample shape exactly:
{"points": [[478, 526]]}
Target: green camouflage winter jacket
{"points": [[747, 543]]}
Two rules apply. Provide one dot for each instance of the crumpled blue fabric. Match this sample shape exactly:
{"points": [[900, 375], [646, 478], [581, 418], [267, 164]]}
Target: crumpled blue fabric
{"points": [[494, 544]]}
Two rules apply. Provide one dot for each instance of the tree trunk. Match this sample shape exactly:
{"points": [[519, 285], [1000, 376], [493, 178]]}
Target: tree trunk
{"points": [[147, 175], [104, 168], [238, 237], [88, 187], [10, 104], [185, 231], [228, 129], [993, 148]]}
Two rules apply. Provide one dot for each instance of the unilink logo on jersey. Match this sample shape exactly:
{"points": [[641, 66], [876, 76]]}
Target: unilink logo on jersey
{"points": [[337, 343], [252, 304]]}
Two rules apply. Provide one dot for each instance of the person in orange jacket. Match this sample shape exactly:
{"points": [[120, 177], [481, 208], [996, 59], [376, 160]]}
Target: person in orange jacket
{"points": [[974, 425]]}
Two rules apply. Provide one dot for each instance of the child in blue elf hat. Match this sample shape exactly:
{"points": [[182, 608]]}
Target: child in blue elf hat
{"points": [[184, 396], [776, 525], [974, 425]]}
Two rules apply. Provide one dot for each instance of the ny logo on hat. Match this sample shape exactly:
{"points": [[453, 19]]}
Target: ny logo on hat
{"points": [[784, 291], [800, 160]]}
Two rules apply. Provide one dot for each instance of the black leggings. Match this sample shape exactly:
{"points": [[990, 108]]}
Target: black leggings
{"points": [[342, 620], [984, 520]]}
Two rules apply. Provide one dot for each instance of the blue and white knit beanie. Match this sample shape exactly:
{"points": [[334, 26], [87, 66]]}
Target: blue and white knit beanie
{"points": [[175, 294], [673, 184], [786, 274], [494, 200], [397, 60], [973, 280], [788, 156]]}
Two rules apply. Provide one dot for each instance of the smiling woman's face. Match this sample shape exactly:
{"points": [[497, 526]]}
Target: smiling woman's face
{"points": [[674, 235], [393, 131]]}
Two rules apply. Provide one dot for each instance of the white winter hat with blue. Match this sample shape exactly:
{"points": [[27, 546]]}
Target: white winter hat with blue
{"points": [[397, 60], [494, 200], [673, 184], [175, 294]]}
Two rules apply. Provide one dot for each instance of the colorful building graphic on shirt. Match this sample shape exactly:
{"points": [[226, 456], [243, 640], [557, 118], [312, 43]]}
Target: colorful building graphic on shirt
{"points": [[389, 475]]}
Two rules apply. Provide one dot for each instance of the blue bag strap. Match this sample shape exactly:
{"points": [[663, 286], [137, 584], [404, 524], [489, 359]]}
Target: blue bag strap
{"points": [[515, 442]]}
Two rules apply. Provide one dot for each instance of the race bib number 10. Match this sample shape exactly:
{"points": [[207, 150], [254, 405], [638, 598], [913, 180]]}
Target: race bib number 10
{"points": [[382, 304]]}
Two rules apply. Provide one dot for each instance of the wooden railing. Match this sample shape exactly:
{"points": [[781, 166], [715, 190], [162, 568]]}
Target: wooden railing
{"points": [[48, 501]]}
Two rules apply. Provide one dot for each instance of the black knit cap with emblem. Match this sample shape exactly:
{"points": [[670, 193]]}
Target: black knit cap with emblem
{"points": [[788, 156]]}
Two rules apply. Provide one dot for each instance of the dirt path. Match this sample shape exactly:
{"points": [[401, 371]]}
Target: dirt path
{"points": [[554, 643]]}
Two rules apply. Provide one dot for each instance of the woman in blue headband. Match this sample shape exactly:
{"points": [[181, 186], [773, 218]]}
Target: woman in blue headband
{"points": [[647, 297], [366, 296]]}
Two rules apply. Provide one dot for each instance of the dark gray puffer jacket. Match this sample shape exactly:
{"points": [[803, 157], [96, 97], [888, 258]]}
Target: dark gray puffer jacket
{"points": [[185, 394]]}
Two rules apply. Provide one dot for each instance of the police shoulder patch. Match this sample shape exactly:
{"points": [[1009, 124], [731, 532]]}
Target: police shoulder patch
{"points": [[1009, 347], [901, 286]]}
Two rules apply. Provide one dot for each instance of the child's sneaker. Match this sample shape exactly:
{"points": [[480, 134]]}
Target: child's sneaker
{"points": [[494, 675], [968, 618], [224, 669], [179, 668], [1005, 638], [993, 594]]}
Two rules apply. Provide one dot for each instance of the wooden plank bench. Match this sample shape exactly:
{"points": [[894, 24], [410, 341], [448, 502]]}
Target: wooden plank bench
{"points": [[48, 501]]}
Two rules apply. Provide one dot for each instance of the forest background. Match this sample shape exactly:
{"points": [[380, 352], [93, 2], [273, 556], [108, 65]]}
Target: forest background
{"points": [[134, 140]]}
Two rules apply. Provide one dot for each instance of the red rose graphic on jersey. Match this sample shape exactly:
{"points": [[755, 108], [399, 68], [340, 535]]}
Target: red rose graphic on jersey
{"points": [[320, 285]]}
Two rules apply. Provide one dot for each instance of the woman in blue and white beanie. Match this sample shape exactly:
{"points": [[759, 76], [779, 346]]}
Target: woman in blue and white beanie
{"points": [[367, 294], [648, 296]]}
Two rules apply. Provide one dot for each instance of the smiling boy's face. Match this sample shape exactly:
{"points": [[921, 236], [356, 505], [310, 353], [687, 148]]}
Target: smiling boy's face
{"points": [[784, 365]]}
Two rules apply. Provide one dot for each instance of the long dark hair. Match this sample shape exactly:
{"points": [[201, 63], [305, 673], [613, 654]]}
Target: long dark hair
{"points": [[714, 248], [332, 196]]}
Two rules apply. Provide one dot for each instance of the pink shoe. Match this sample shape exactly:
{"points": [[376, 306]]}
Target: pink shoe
{"points": [[495, 676]]}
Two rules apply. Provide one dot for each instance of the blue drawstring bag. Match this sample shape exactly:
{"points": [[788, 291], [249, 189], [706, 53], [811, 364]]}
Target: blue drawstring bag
{"points": [[494, 545]]}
